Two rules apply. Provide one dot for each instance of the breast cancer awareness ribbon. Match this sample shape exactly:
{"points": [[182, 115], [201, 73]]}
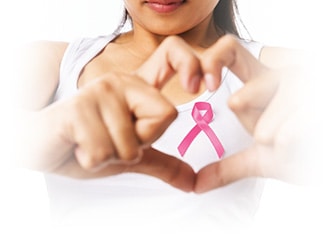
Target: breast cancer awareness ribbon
{"points": [[202, 124]]}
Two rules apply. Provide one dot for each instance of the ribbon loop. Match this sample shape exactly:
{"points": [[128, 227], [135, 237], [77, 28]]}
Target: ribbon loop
{"points": [[202, 124]]}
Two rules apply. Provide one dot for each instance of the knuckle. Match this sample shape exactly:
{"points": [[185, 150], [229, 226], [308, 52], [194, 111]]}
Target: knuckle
{"points": [[96, 158], [172, 40], [262, 136], [88, 164], [89, 94], [76, 110], [102, 154], [237, 104], [162, 107], [103, 86], [76, 105], [168, 113], [228, 40]]}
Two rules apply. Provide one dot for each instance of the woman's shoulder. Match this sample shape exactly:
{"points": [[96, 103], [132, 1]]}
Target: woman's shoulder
{"points": [[254, 47], [85, 48], [85, 43], [31, 58], [278, 57], [43, 49]]}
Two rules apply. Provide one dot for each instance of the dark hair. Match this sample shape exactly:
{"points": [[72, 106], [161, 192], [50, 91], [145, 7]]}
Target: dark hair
{"points": [[225, 15], [123, 21]]}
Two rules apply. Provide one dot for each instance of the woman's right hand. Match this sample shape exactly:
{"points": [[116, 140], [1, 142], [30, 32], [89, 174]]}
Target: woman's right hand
{"points": [[108, 126], [105, 129]]}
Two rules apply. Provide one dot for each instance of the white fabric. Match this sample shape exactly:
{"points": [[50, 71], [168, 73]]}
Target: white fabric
{"points": [[127, 199]]}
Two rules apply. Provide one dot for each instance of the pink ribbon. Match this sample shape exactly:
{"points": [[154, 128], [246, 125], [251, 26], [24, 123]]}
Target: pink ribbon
{"points": [[202, 124]]}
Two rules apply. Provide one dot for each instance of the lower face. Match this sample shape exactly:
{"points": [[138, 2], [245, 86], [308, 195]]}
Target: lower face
{"points": [[169, 17]]}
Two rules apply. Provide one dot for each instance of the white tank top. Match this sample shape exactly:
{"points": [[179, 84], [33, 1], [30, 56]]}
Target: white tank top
{"points": [[128, 198]]}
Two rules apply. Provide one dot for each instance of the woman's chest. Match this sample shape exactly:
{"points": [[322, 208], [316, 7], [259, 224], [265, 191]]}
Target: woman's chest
{"points": [[114, 61]]}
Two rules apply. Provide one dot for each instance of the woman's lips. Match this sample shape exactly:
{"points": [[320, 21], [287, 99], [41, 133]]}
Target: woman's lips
{"points": [[164, 7]]}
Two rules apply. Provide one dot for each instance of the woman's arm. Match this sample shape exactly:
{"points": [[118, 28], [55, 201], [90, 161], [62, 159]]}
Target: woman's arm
{"points": [[34, 78], [276, 57], [271, 107], [37, 69], [107, 121]]}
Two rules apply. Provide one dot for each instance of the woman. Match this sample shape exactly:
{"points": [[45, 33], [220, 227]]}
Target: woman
{"points": [[95, 115]]}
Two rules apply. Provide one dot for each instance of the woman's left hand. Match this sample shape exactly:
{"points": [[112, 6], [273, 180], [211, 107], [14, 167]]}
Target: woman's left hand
{"points": [[269, 107]]}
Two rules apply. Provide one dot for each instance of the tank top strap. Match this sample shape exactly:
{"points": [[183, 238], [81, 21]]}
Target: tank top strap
{"points": [[255, 49], [76, 56]]}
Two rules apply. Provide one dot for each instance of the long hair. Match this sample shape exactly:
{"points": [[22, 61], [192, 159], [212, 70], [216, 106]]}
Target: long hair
{"points": [[227, 18], [225, 15], [123, 21]]}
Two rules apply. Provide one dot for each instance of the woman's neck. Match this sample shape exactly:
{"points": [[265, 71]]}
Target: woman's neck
{"points": [[145, 42]]}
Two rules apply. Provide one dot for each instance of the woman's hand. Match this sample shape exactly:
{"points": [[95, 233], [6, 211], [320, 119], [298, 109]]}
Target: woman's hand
{"points": [[108, 126], [270, 107], [105, 129], [260, 105]]}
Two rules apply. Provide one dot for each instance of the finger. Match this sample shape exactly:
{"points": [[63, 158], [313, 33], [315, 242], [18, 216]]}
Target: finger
{"points": [[172, 56], [71, 168], [154, 163], [91, 137], [167, 168], [228, 52], [248, 163], [251, 100], [152, 112], [102, 126], [249, 118], [287, 100], [294, 150], [117, 118]]}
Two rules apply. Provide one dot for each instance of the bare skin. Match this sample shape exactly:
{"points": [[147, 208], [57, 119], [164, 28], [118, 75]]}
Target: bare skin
{"points": [[107, 128]]}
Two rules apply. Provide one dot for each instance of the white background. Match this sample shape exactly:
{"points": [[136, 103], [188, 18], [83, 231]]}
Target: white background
{"points": [[275, 22]]}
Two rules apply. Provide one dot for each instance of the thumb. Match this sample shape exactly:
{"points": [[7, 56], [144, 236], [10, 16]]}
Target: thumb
{"points": [[166, 168], [247, 163], [228, 52], [173, 56], [249, 102]]}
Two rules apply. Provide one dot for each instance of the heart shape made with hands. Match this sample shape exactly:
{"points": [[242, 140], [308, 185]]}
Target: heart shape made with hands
{"points": [[258, 106], [174, 56]]}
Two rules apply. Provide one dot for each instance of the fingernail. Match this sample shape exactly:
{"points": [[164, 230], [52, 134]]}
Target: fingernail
{"points": [[81, 156], [138, 158], [90, 164], [210, 82], [99, 167], [194, 84]]}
